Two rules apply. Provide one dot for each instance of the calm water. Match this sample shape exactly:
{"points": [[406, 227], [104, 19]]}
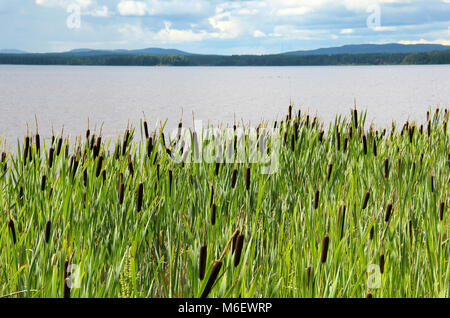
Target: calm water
{"points": [[69, 95]]}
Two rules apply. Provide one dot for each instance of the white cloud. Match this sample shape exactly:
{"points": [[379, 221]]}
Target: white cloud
{"points": [[101, 12], [129, 7], [227, 25], [293, 11], [258, 34], [423, 41], [347, 31], [173, 35], [64, 3]]}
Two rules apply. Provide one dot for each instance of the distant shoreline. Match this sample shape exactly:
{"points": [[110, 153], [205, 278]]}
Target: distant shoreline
{"points": [[428, 58]]}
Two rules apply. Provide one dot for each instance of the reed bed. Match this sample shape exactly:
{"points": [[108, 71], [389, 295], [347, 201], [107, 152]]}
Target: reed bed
{"points": [[134, 223]]}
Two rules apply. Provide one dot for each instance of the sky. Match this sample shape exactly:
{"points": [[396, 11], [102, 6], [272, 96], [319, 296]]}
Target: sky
{"points": [[219, 27]]}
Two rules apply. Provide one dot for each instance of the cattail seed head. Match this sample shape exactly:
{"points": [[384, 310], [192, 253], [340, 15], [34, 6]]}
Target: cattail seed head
{"points": [[238, 251], [341, 220], [202, 264], [50, 156], [213, 214], [140, 194], [145, 129], [234, 239], [366, 200], [85, 177], [325, 243], [59, 146], [345, 144], [99, 166], [321, 136], [38, 143], [371, 233], [432, 183], [386, 168], [48, 226], [441, 211], [233, 178], [26, 149], [13, 230], [316, 199], [212, 278], [375, 147], [381, 263], [365, 144], [43, 182], [330, 169], [170, 180], [388, 212], [130, 167], [247, 179], [217, 168], [121, 193]]}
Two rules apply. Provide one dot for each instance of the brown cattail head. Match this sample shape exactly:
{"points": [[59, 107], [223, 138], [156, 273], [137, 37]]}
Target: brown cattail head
{"points": [[104, 176], [365, 144], [212, 278], [375, 147], [170, 180], [441, 211], [145, 129], [233, 178], [345, 144], [247, 179], [121, 193], [149, 147], [234, 240], [48, 226], [381, 261], [213, 214], [432, 183], [85, 177], [125, 142], [59, 146], [140, 194], [316, 199], [325, 243], [217, 168], [43, 182], [202, 264], [386, 168], [38, 143], [130, 166], [3, 160], [388, 212], [330, 169], [99, 166], [13, 230], [371, 233], [341, 220], [355, 118], [50, 157], [66, 287], [321, 136], [238, 251], [366, 200]]}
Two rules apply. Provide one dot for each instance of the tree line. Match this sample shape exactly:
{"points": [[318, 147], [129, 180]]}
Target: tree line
{"points": [[436, 57]]}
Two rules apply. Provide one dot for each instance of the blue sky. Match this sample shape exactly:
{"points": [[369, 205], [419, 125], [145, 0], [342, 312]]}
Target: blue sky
{"points": [[221, 27]]}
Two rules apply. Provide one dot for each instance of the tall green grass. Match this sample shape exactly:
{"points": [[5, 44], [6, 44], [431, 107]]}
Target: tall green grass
{"points": [[135, 223]]}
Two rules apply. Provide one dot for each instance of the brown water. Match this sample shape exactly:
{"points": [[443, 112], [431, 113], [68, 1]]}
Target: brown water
{"points": [[69, 95]]}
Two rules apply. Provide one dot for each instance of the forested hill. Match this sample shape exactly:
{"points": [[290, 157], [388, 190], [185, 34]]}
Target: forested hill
{"points": [[435, 57]]}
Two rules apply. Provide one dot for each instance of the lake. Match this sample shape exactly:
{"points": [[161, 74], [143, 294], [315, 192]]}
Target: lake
{"points": [[114, 96]]}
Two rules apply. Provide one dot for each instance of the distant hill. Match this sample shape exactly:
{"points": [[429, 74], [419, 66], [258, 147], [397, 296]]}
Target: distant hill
{"points": [[11, 51], [374, 48], [150, 51]]}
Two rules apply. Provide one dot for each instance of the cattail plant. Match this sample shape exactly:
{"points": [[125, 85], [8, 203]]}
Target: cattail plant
{"points": [[3, 161], [26, 149], [213, 214], [381, 263], [247, 179], [121, 193], [233, 178], [99, 166], [12, 229], [365, 144], [234, 240], [202, 263], [325, 243], [50, 157], [48, 226], [345, 144], [374, 147], [43, 179], [316, 199], [432, 183], [330, 169], [441, 211], [386, 168], [212, 278], [308, 276], [238, 250], [59, 146], [170, 181], [355, 118], [387, 216], [140, 194], [366, 200], [341, 220], [371, 232]]}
